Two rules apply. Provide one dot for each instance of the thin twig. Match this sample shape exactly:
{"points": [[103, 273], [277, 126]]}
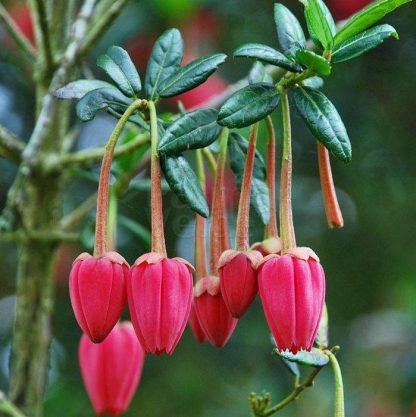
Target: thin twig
{"points": [[11, 147], [22, 42], [7, 408]]}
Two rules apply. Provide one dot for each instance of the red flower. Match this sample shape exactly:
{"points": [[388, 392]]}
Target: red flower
{"points": [[98, 294], [159, 292], [111, 370], [292, 291], [196, 328], [238, 278], [341, 9], [213, 315]]}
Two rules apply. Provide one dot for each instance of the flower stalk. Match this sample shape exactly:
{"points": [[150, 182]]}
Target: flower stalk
{"points": [[339, 387], [200, 259], [271, 228]]}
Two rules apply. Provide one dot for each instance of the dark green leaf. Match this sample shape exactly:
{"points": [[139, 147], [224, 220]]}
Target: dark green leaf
{"points": [[135, 118], [266, 54], [291, 366], [77, 89], [184, 183], [120, 68], [259, 196], [100, 99], [249, 105], [197, 129], [315, 357], [366, 18], [314, 82], [314, 62], [363, 42], [322, 337], [289, 30], [258, 74], [164, 61], [323, 120], [321, 24], [191, 75]]}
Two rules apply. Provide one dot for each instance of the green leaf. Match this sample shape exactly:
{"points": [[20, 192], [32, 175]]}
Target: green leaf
{"points": [[321, 24], [315, 357], [266, 54], [129, 161], [314, 82], [184, 183], [191, 75], [120, 68], [164, 61], [100, 99], [366, 18], [137, 229], [322, 337], [313, 61], [323, 121], [77, 89], [259, 196], [249, 105], [292, 367], [258, 74], [197, 129], [135, 118], [289, 30], [363, 42]]}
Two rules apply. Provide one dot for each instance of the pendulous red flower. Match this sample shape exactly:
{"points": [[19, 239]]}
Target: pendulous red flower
{"points": [[111, 370], [238, 278], [159, 292], [195, 326], [97, 288], [292, 291], [213, 315]]}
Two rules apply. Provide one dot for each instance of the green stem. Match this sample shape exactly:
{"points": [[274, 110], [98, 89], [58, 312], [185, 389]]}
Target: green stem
{"points": [[271, 229], [218, 215], [100, 246], [287, 229], [243, 216], [339, 387], [158, 235], [200, 250], [112, 220], [212, 163], [8, 409]]}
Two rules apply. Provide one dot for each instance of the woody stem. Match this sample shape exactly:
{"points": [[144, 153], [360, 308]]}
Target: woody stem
{"points": [[271, 229], [243, 216], [332, 209], [200, 260], [287, 229], [100, 246], [217, 211], [158, 235]]}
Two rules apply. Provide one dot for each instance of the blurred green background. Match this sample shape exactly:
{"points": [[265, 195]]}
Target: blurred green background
{"points": [[370, 264]]}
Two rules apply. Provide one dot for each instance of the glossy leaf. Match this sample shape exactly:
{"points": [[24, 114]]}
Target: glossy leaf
{"points": [[363, 42], [320, 23], [184, 183], [366, 18], [249, 105], [259, 196], [292, 367], [258, 74], [266, 54], [314, 82], [314, 62], [323, 121], [315, 357], [119, 67], [194, 130], [165, 60], [77, 89], [101, 99], [289, 30], [191, 75]]}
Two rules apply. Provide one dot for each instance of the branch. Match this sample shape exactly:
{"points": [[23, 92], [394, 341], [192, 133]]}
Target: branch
{"points": [[22, 42], [7, 408], [11, 147], [102, 23]]}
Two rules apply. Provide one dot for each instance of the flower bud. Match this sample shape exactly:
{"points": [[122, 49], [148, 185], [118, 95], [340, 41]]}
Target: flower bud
{"points": [[97, 288], [111, 370], [238, 278], [272, 245], [159, 292], [292, 291], [196, 328], [213, 315]]}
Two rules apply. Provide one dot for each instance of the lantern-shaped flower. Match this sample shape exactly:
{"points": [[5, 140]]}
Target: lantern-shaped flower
{"points": [[159, 293], [97, 292], [195, 326], [292, 291], [111, 370]]}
